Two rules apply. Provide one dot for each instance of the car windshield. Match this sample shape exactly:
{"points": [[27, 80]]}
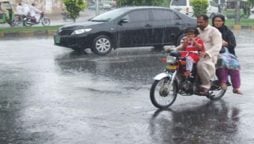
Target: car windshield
{"points": [[110, 15]]}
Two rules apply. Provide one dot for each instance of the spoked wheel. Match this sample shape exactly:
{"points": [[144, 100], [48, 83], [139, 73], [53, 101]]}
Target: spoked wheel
{"points": [[216, 91], [16, 21], [162, 94], [13, 23], [45, 21], [27, 23]]}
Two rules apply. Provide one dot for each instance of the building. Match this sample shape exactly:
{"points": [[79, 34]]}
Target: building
{"points": [[48, 6]]}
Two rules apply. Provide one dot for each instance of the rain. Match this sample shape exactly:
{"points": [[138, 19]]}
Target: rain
{"points": [[51, 94]]}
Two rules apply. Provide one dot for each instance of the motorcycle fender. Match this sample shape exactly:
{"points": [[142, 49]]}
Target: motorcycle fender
{"points": [[160, 76]]}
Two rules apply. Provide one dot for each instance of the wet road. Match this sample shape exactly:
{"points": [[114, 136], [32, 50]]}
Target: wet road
{"points": [[52, 95]]}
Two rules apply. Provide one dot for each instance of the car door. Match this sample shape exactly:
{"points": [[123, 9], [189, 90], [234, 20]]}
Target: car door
{"points": [[135, 30], [166, 26]]}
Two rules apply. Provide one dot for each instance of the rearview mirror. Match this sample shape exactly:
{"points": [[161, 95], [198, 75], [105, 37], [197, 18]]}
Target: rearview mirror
{"points": [[90, 18]]}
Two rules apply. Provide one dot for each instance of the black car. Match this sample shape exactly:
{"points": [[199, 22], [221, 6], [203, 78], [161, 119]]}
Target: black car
{"points": [[125, 27]]}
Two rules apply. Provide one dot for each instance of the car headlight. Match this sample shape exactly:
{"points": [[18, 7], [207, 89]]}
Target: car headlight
{"points": [[80, 31], [59, 30]]}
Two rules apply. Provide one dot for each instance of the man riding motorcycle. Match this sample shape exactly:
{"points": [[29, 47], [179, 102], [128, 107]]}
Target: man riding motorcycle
{"points": [[35, 13], [206, 65], [213, 42]]}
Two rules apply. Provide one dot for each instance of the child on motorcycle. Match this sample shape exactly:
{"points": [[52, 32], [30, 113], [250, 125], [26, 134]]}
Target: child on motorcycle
{"points": [[190, 48]]}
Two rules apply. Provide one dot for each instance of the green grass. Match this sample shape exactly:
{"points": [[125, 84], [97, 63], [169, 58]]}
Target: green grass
{"points": [[243, 22], [29, 29], [230, 13], [229, 22]]}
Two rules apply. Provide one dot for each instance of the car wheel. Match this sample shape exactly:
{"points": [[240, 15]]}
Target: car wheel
{"points": [[102, 45]]}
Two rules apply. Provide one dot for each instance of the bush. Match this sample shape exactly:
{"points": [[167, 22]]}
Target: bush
{"points": [[74, 7], [199, 7]]}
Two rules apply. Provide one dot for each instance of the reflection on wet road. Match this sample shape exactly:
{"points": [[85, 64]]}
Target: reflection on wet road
{"points": [[52, 95], [136, 68], [210, 123]]}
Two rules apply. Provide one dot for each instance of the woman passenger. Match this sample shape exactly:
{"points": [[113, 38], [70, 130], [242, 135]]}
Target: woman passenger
{"points": [[228, 64]]}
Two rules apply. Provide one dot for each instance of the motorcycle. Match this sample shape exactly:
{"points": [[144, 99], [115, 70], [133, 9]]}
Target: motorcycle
{"points": [[168, 84], [29, 20], [18, 20]]}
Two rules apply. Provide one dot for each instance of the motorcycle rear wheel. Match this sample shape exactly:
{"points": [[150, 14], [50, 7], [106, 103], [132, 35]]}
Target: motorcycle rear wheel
{"points": [[162, 95], [45, 21]]}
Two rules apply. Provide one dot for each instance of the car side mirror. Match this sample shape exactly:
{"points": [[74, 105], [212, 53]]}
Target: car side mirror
{"points": [[122, 21]]}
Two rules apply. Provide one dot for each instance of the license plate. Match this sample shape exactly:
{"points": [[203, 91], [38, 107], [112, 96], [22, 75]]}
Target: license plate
{"points": [[171, 67], [170, 59], [57, 39]]}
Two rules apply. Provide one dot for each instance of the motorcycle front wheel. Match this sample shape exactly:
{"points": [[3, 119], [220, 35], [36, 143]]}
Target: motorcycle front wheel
{"points": [[27, 23], [162, 94]]}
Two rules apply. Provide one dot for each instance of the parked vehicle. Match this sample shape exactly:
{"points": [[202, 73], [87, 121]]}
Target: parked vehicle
{"points": [[168, 84], [106, 6], [185, 7], [125, 27], [6, 13], [29, 21]]}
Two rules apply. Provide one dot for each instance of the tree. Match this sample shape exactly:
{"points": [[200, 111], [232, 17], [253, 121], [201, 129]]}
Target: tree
{"points": [[251, 2], [73, 8], [139, 2], [250, 6], [199, 6]]}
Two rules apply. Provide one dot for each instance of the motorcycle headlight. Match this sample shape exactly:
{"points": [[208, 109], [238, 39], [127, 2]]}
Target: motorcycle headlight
{"points": [[80, 31]]}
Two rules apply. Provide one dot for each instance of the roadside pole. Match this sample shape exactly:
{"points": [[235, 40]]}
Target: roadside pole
{"points": [[237, 25], [219, 6], [97, 7], [237, 12]]}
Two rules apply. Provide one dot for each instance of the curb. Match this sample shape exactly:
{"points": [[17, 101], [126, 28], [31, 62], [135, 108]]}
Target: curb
{"points": [[38, 33], [239, 27]]}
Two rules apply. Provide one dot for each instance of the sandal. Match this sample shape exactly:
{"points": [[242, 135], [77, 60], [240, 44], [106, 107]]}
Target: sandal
{"points": [[223, 86], [237, 91]]}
